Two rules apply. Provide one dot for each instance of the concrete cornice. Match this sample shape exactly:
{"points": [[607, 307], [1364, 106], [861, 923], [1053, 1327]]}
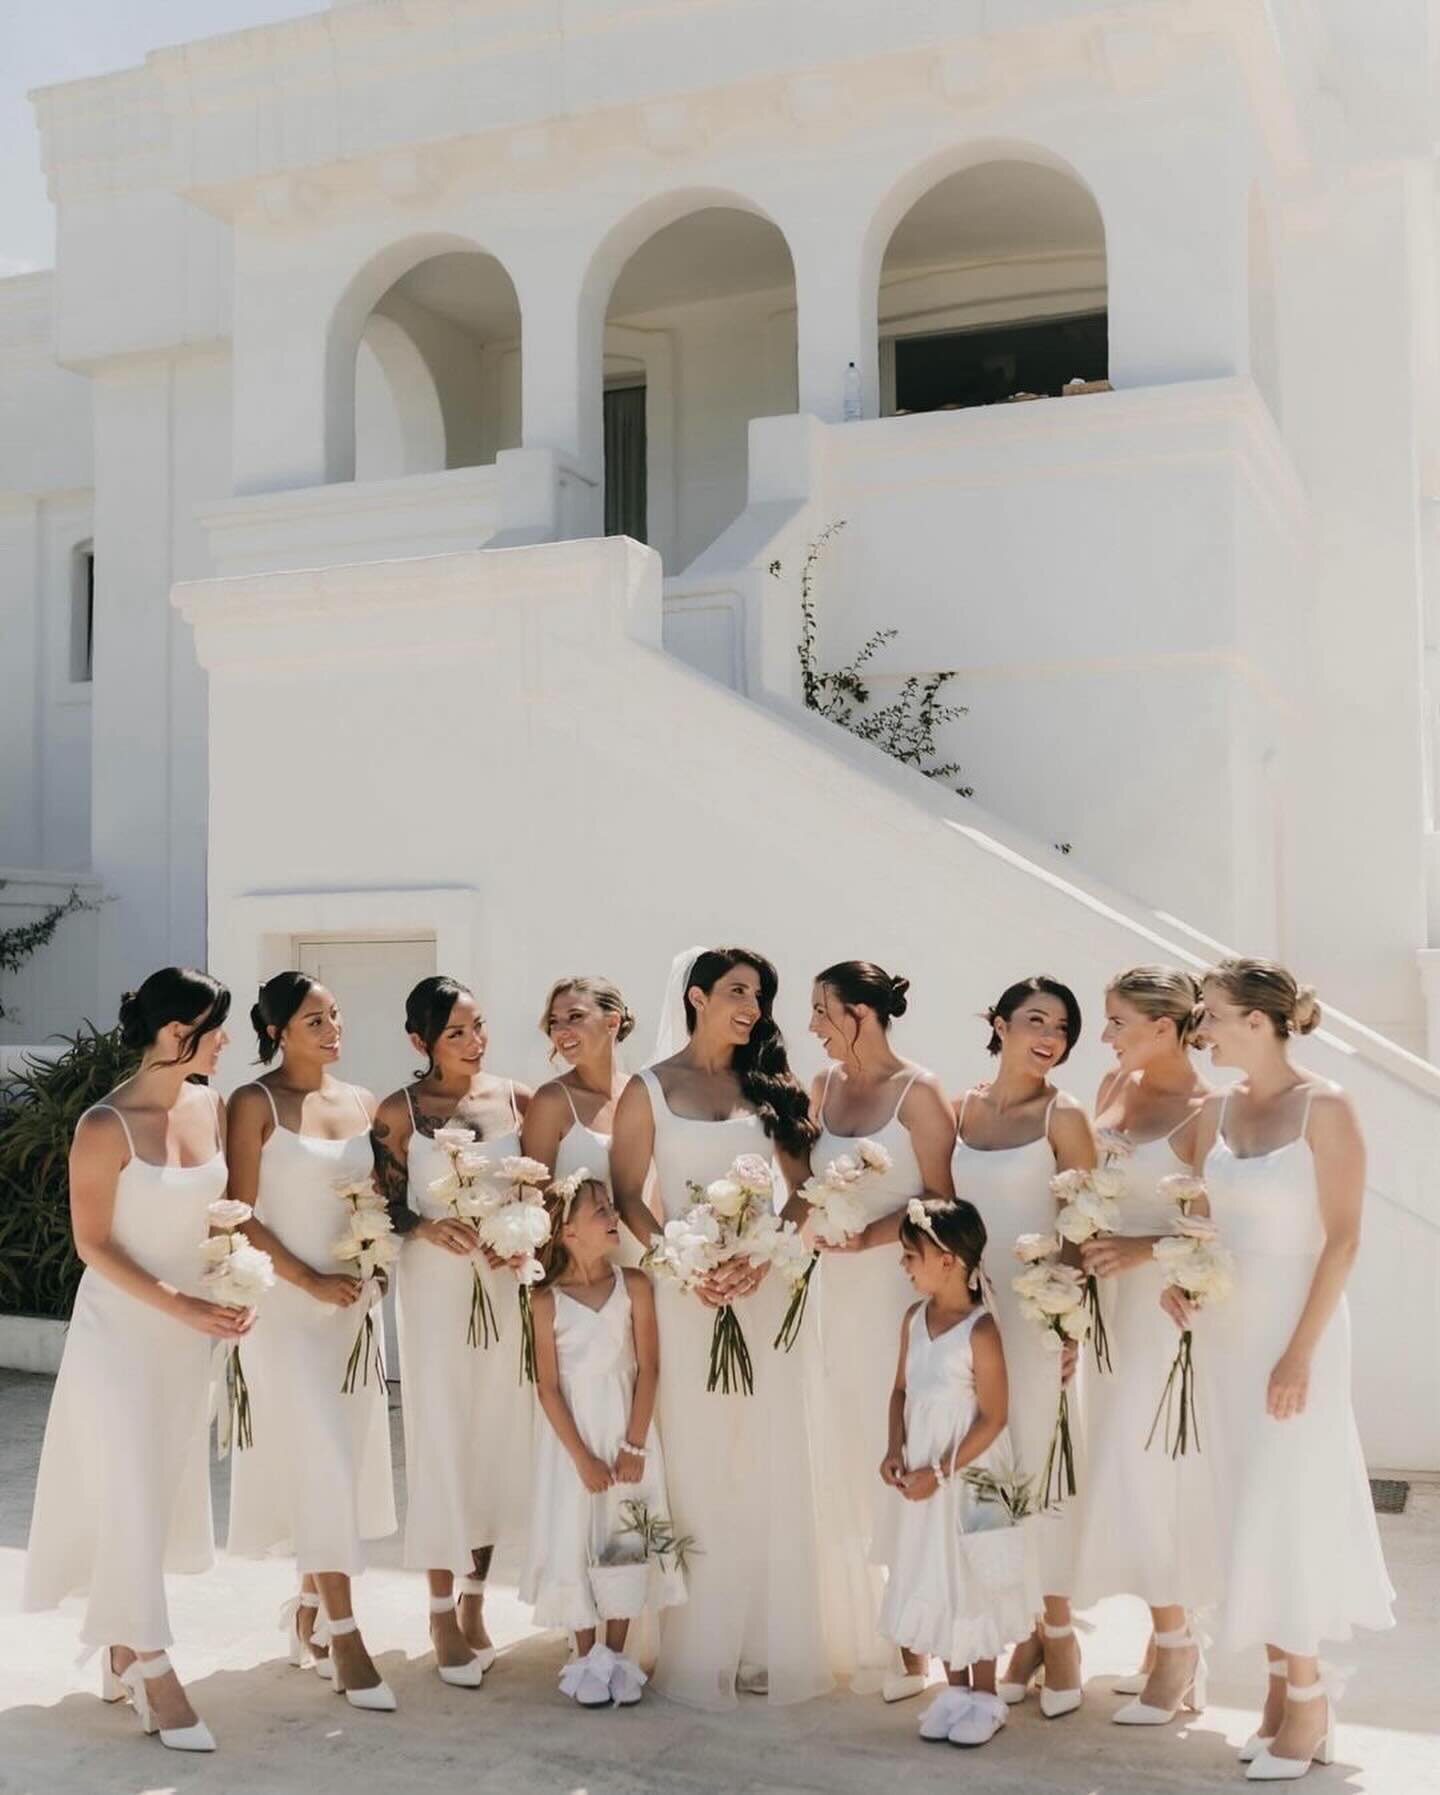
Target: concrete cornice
{"points": [[348, 97]]}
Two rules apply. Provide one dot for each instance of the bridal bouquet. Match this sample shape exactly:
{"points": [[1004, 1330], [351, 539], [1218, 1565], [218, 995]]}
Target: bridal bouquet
{"points": [[366, 1250], [1194, 1263], [733, 1218], [1090, 1205], [837, 1215], [504, 1201], [1052, 1296], [237, 1276]]}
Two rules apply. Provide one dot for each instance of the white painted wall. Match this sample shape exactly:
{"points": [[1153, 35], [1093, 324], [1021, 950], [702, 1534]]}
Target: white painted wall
{"points": [[722, 820]]}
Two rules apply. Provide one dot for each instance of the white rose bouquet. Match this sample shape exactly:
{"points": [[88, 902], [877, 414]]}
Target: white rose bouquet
{"points": [[1052, 1296], [837, 1215], [515, 1229], [733, 1218], [366, 1249], [1090, 1205], [466, 1192], [1195, 1263], [237, 1275]]}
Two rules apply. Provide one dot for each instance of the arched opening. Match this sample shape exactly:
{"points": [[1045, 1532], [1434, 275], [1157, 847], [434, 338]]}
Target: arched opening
{"points": [[993, 288], [699, 339], [436, 369]]}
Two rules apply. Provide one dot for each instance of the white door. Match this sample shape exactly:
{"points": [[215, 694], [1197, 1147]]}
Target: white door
{"points": [[370, 979]]}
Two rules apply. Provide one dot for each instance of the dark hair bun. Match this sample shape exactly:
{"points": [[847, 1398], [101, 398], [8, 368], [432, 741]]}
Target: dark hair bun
{"points": [[627, 1024], [131, 1018], [899, 1002]]}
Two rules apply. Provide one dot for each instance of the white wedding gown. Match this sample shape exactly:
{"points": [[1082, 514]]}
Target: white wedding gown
{"points": [[1167, 1551], [1301, 1551], [123, 1491], [859, 1302], [569, 1528], [467, 1412], [317, 1480], [740, 1467], [1010, 1186]]}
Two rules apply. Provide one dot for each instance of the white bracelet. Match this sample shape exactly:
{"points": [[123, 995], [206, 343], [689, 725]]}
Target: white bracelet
{"points": [[634, 1451], [941, 1476]]}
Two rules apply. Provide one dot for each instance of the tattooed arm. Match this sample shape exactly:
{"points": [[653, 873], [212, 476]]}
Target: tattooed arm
{"points": [[390, 1141]]}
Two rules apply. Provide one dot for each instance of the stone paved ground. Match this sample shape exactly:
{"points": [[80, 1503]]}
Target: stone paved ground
{"points": [[282, 1732]]}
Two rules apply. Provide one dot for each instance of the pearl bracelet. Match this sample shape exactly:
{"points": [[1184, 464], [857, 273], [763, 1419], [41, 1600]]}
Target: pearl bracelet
{"points": [[634, 1451], [941, 1475]]}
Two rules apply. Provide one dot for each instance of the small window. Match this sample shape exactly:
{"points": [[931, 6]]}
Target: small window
{"points": [[955, 369], [82, 614]]}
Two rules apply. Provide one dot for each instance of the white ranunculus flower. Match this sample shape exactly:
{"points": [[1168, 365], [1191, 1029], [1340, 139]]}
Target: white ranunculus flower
{"points": [[531, 1272], [843, 1170], [726, 1197], [446, 1186], [873, 1156], [1032, 1249], [1076, 1323], [215, 1249], [1181, 1188], [1108, 1183], [1066, 1185], [518, 1169], [228, 1212], [471, 1163], [1197, 1227], [242, 1279], [516, 1229], [1114, 1143], [452, 1137], [754, 1174]]}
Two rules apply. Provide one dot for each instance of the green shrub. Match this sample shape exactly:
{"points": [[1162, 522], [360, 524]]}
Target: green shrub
{"points": [[39, 1107]]}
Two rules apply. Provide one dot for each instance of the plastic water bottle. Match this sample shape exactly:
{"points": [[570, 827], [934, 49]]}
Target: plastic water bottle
{"points": [[853, 408]]}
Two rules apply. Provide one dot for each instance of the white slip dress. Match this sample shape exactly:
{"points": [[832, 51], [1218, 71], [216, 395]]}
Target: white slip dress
{"points": [[860, 1300], [935, 1600], [583, 1147], [1010, 1186], [1301, 1552], [1166, 1552], [467, 1410], [740, 1467], [123, 1490], [317, 1480], [569, 1528]]}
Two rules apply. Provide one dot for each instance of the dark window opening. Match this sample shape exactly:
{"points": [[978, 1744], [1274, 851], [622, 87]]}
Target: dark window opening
{"points": [[955, 369], [82, 615], [625, 452]]}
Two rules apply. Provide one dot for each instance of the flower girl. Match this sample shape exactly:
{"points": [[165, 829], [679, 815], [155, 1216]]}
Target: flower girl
{"points": [[601, 1546], [958, 1588]]}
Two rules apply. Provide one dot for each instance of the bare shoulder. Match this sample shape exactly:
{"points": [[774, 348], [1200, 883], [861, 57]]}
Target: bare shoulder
{"points": [[549, 1100], [100, 1135], [392, 1115], [925, 1089], [1332, 1112], [1112, 1085], [367, 1099], [987, 1331], [522, 1094], [542, 1300], [248, 1103], [637, 1284]]}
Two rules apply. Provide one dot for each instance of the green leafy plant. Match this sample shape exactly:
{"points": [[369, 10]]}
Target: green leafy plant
{"points": [[907, 726], [656, 1535], [1005, 1488], [22, 940], [39, 1107]]}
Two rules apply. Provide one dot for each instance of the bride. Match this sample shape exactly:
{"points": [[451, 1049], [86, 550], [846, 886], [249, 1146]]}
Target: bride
{"points": [[739, 1465]]}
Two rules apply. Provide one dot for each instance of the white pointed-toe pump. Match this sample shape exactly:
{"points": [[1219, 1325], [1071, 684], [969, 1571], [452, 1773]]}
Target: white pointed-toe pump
{"points": [[380, 1699], [179, 1738], [1140, 1713], [460, 1676]]}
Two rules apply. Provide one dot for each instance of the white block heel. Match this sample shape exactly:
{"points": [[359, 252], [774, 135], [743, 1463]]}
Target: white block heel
{"points": [[377, 1700], [178, 1738], [1057, 1702], [1267, 1768], [460, 1676], [297, 1646], [1139, 1713]]}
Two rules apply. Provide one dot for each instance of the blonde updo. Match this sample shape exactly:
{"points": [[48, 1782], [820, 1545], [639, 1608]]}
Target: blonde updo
{"points": [[1262, 985], [601, 992], [1161, 992]]}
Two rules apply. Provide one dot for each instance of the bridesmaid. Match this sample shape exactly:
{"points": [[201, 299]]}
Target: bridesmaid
{"points": [[739, 1466], [569, 1120], [1284, 1165], [1012, 1135], [317, 1479], [467, 1414], [123, 1492], [869, 1091], [1146, 1114]]}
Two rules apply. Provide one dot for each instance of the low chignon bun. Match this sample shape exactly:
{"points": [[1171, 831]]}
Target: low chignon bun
{"points": [[899, 1001], [1307, 1010], [131, 1018], [627, 1024]]}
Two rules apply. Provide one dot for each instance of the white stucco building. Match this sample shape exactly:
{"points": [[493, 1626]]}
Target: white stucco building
{"points": [[346, 307]]}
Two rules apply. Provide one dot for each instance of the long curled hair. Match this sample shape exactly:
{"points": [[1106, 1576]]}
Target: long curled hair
{"points": [[762, 1066], [553, 1254]]}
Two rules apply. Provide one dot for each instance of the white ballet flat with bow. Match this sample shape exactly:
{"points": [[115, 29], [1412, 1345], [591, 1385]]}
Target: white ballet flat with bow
{"points": [[1056, 1702], [1140, 1713], [980, 1722], [948, 1708], [380, 1698], [178, 1738], [626, 1681], [1256, 1743], [475, 1586], [460, 1676], [1265, 1767], [587, 1680]]}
